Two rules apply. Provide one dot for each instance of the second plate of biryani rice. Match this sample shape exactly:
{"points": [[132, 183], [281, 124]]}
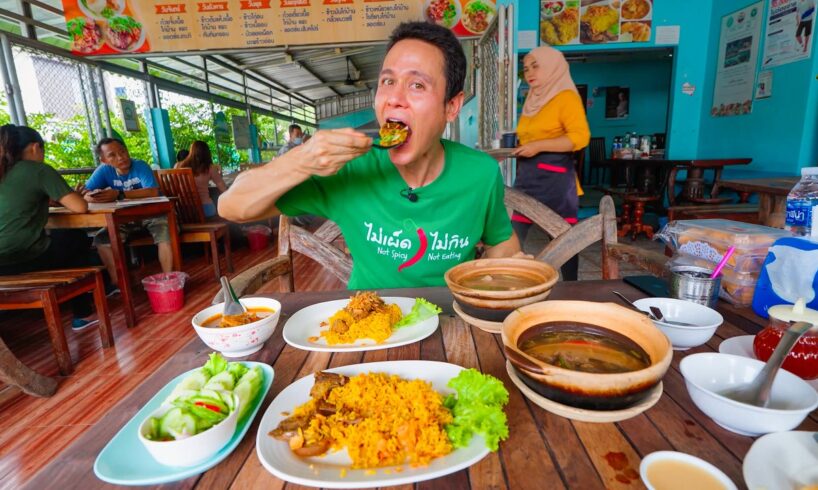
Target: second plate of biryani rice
{"points": [[363, 322]]}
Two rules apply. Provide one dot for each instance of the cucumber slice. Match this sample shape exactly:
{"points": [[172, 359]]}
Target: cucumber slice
{"points": [[195, 381], [222, 381], [177, 423], [245, 393]]}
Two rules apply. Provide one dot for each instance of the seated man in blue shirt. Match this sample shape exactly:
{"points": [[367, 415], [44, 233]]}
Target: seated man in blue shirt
{"points": [[119, 178]]}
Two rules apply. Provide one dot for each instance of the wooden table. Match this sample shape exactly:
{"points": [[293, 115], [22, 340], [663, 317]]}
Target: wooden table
{"points": [[110, 216], [772, 196], [543, 451], [693, 190]]}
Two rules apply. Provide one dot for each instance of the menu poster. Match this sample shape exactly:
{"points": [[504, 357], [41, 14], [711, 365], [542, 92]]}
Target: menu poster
{"points": [[738, 55], [595, 21], [115, 27], [463, 17], [789, 32]]}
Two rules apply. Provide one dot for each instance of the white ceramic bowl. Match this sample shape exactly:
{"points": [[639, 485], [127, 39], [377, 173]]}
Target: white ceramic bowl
{"points": [[242, 340], [706, 321], [684, 458], [192, 450], [708, 374]]}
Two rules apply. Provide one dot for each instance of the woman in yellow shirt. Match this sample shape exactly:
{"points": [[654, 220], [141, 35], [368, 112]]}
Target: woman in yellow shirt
{"points": [[552, 127]]}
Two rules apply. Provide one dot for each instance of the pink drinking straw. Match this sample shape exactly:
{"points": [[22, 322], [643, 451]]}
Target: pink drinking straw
{"points": [[724, 260]]}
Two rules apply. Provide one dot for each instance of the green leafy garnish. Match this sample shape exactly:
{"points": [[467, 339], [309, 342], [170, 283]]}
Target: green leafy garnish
{"points": [[75, 26], [123, 24], [421, 310], [215, 365], [477, 409], [108, 12], [479, 7]]}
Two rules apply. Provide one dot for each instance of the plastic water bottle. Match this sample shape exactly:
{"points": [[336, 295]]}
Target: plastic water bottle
{"points": [[802, 204]]}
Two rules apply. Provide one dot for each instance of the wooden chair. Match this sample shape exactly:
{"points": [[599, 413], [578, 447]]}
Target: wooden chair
{"points": [[567, 241], [48, 290], [317, 245], [596, 161], [178, 183]]}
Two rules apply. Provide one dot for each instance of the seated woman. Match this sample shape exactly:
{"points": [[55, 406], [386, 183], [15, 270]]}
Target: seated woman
{"points": [[204, 170], [26, 187]]}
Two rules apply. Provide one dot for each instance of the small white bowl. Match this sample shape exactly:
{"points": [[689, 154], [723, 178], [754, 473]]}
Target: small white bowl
{"points": [[684, 458], [192, 450], [242, 340], [706, 320], [708, 374]]}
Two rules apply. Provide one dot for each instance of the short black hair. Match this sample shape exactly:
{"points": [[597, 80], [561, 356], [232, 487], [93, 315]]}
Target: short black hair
{"points": [[454, 60], [294, 127], [107, 141]]}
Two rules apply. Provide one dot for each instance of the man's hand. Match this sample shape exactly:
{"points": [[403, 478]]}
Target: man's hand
{"points": [[101, 195], [328, 151]]}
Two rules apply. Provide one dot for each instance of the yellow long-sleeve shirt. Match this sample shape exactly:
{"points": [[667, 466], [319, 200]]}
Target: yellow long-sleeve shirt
{"points": [[561, 116]]}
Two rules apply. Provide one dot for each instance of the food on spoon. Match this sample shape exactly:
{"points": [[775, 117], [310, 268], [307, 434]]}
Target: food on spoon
{"points": [[393, 133], [206, 397], [385, 420]]}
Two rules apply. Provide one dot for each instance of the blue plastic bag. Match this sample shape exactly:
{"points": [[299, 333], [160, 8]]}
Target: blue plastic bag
{"points": [[790, 271]]}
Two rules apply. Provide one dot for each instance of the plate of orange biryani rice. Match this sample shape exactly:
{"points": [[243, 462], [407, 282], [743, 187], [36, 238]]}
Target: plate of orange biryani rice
{"points": [[380, 424], [363, 322]]}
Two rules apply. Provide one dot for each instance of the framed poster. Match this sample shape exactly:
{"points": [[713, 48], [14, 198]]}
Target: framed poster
{"points": [[595, 21], [737, 60], [617, 102], [129, 119], [789, 32]]}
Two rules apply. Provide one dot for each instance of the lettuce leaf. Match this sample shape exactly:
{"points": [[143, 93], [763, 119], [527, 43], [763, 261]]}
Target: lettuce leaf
{"points": [[477, 409], [215, 364], [421, 310]]}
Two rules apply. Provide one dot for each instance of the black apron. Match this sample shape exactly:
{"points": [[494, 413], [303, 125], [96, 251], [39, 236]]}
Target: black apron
{"points": [[550, 178]]}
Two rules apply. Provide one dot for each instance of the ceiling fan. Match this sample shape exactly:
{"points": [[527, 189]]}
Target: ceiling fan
{"points": [[349, 81]]}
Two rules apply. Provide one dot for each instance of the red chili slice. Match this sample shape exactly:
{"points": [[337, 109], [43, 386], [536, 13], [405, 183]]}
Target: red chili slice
{"points": [[208, 406], [422, 250]]}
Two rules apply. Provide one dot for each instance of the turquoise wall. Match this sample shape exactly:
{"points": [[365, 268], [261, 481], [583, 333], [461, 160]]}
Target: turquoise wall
{"points": [[779, 134], [469, 134], [351, 120], [648, 83], [693, 17]]}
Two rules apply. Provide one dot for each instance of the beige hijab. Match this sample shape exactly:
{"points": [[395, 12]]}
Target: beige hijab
{"points": [[557, 79]]}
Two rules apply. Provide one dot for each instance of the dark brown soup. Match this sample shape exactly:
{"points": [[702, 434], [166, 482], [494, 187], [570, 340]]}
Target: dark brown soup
{"points": [[499, 282], [583, 347]]}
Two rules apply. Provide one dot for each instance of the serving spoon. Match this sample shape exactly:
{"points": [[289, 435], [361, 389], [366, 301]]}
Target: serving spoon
{"points": [[387, 147], [232, 305], [757, 392], [654, 313]]}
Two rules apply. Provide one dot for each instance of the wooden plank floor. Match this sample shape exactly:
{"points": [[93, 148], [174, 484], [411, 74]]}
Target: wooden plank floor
{"points": [[33, 431]]}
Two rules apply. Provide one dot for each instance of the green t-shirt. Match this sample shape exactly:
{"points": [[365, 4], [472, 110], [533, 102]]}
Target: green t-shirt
{"points": [[398, 243], [24, 195]]}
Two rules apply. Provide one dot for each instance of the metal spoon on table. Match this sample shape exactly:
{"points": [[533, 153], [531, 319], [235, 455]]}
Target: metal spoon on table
{"points": [[232, 306], [757, 392], [654, 313]]}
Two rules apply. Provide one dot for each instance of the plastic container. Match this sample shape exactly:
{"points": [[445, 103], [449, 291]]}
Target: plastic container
{"points": [[802, 216], [166, 291], [738, 287], [790, 272], [803, 358], [258, 237], [710, 238]]}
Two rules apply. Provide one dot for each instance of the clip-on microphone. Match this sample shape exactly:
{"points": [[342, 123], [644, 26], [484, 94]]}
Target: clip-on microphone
{"points": [[408, 194]]}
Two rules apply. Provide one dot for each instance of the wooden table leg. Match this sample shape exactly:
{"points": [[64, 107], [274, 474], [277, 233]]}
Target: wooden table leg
{"points": [[105, 332], [772, 210], [123, 277], [174, 240], [53, 320], [671, 186]]}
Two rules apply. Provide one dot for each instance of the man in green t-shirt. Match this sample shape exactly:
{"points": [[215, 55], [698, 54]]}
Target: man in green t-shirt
{"points": [[410, 213]]}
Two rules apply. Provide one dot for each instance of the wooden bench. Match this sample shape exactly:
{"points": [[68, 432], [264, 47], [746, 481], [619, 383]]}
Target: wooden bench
{"points": [[48, 290], [746, 212]]}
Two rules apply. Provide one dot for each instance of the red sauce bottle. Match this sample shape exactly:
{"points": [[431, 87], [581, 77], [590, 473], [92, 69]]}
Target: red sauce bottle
{"points": [[803, 359]]}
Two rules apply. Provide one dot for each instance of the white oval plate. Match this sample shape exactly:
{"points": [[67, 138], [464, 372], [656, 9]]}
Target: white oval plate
{"points": [[325, 472], [782, 461], [306, 323], [743, 346]]}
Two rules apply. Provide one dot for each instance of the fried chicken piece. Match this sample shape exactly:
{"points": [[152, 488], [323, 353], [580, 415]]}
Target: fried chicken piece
{"points": [[325, 382], [289, 427], [363, 304]]}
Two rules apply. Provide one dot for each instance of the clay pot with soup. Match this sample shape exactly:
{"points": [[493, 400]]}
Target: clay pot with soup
{"points": [[490, 289], [803, 359], [598, 356]]}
